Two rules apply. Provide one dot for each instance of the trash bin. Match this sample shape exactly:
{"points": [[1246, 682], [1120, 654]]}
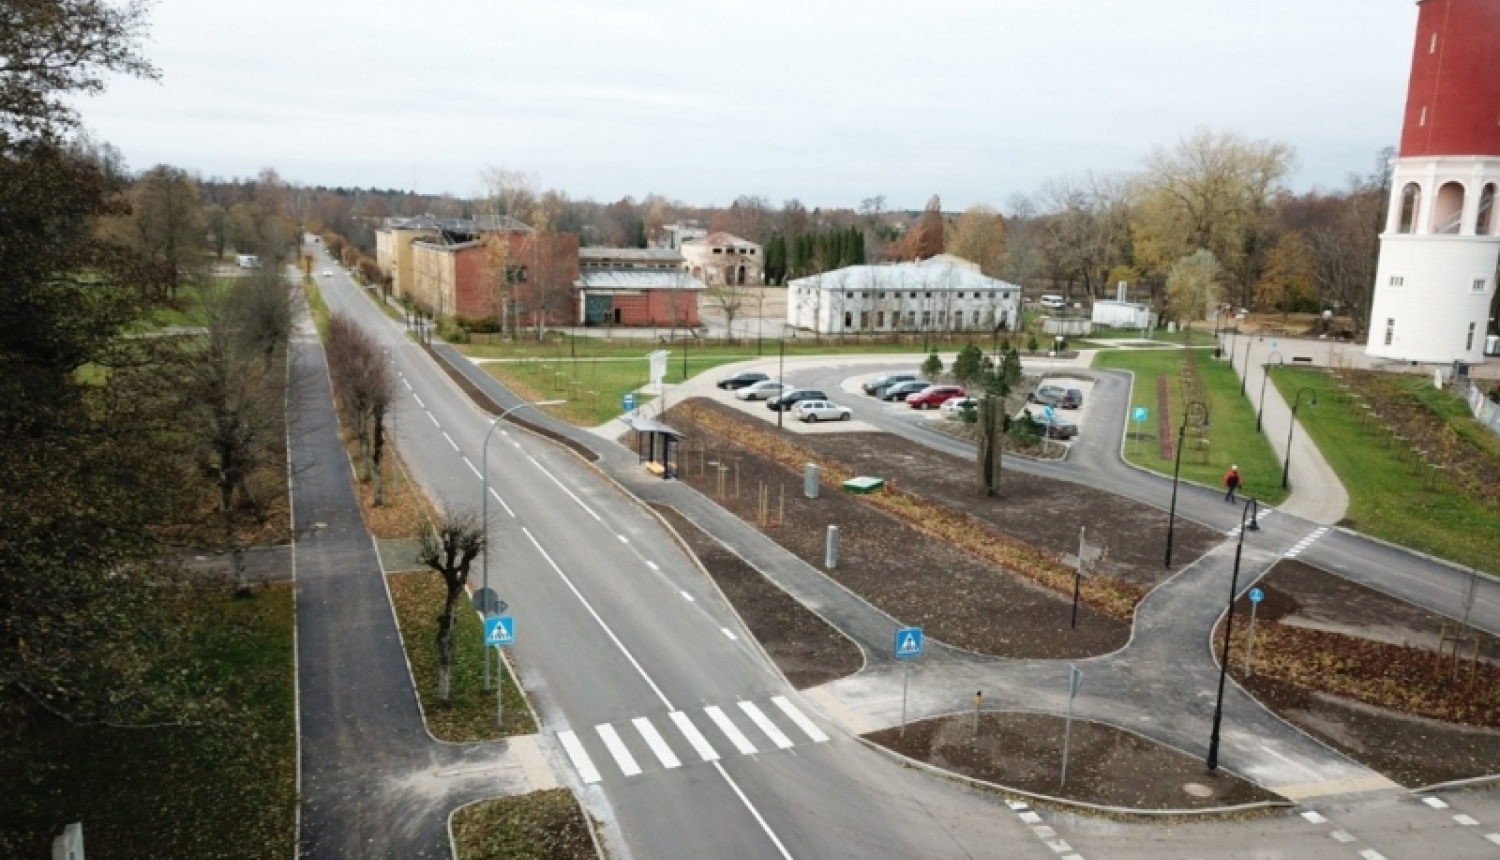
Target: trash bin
{"points": [[1460, 370]]}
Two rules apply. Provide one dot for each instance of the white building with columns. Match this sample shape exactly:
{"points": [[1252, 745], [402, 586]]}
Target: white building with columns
{"points": [[937, 295]]}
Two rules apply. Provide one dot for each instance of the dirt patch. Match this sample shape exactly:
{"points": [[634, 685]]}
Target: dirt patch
{"points": [[1359, 670], [805, 647], [1042, 511], [1106, 765]]}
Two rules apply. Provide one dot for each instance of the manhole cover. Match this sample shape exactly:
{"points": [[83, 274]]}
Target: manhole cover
{"points": [[1198, 789]]}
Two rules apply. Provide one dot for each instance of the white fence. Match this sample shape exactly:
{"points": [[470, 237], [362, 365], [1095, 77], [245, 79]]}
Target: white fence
{"points": [[1484, 409]]}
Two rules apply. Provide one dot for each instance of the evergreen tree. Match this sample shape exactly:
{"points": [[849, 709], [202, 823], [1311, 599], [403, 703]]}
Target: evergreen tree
{"points": [[968, 368], [932, 368]]}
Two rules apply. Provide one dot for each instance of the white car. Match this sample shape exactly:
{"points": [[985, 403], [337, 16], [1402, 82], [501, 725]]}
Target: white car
{"points": [[763, 390], [813, 411], [327, 273], [954, 408]]}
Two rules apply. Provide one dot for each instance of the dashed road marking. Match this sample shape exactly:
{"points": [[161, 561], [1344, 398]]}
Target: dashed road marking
{"points": [[623, 539], [472, 469], [694, 737], [1314, 817], [765, 725], [730, 633], [418, 398], [687, 597], [1306, 542], [794, 714], [654, 740], [1466, 820], [1341, 836], [434, 421], [730, 730], [1435, 802], [1371, 854], [407, 384], [579, 756], [502, 502], [652, 565], [1493, 837], [616, 748], [1043, 832], [450, 440]]}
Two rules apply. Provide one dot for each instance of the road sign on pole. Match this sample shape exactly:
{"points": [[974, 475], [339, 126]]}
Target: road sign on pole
{"points": [[1256, 596], [1139, 415], [500, 630], [908, 643], [629, 401]]}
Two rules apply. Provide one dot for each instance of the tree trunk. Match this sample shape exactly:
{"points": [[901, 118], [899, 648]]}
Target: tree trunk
{"points": [[379, 456], [991, 430], [445, 647]]}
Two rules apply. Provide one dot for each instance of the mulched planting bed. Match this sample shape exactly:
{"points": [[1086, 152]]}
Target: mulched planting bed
{"points": [[805, 647], [1106, 766], [960, 599], [543, 825], [1359, 670]]}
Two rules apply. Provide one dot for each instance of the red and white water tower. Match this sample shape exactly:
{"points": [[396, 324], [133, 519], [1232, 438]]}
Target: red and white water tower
{"points": [[1441, 244]]}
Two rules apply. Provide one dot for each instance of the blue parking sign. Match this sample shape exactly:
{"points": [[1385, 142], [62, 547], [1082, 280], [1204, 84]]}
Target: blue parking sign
{"points": [[1140, 413]]}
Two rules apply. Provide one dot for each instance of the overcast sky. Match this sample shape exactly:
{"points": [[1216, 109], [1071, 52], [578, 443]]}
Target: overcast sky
{"points": [[828, 101]]}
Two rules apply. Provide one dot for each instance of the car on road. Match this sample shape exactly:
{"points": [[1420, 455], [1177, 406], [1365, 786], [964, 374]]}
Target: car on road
{"points": [[1054, 426], [741, 380], [901, 389], [1051, 394], [954, 409], [327, 273], [788, 399], [874, 386], [934, 396], [763, 390], [813, 411]]}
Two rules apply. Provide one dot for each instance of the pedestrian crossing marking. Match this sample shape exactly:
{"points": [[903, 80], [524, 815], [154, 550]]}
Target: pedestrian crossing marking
{"points": [[617, 749], [765, 725], [699, 743], [807, 726], [654, 740], [579, 756], [730, 730]]}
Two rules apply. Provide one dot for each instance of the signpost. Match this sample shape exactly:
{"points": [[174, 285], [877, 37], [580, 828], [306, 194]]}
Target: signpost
{"points": [[629, 401], [908, 648], [1256, 596], [1075, 680], [1139, 415], [499, 630]]}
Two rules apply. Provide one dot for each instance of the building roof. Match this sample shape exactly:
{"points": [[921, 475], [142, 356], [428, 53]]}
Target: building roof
{"points": [[502, 224], [720, 237], [638, 279], [629, 255], [931, 274]]}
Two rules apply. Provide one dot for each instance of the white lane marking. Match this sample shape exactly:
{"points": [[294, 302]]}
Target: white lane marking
{"points": [[580, 757], [654, 740], [1058, 846], [623, 539], [407, 383], [1043, 831], [1465, 820], [1015, 805], [807, 726], [1371, 854], [1493, 837], [418, 398], [1314, 817], [730, 633], [694, 737], [472, 469], [450, 440], [617, 749], [1435, 802], [1341, 836], [764, 723], [652, 565], [730, 730], [434, 421], [562, 487], [688, 597], [1030, 817], [586, 605], [502, 502], [753, 811], [1302, 767]]}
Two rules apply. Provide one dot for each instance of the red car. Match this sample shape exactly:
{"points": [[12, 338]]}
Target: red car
{"points": [[934, 396]]}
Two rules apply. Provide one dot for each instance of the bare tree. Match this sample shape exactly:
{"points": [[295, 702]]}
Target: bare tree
{"points": [[449, 547], [365, 389], [263, 306]]}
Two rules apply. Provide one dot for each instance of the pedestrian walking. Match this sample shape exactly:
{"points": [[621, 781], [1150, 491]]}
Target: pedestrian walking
{"points": [[1231, 483]]}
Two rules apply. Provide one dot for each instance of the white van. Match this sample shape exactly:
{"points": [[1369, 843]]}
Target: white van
{"points": [[1053, 301]]}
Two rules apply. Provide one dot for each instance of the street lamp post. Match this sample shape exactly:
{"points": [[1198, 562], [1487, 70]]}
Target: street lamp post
{"points": [[1218, 317], [1244, 377], [781, 377], [1265, 374], [484, 498], [1253, 509], [1177, 470], [1286, 466]]}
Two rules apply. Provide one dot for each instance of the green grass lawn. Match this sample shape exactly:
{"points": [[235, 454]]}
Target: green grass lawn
{"points": [[1384, 500], [594, 388], [1231, 434], [224, 788], [471, 716], [746, 348], [316, 306]]}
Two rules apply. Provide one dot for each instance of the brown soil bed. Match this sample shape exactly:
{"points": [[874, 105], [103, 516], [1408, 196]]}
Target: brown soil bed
{"points": [[806, 648], [1359, 670], [1106, 766], [960, 599]]}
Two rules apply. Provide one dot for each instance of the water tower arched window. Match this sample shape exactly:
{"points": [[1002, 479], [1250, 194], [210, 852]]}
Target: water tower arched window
{"points": [[1448, 209], [1411, 195], [1486, 220]]}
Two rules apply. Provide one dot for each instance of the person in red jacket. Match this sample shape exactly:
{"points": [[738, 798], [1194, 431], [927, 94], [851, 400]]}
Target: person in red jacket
{"points": [[1231, 483]]}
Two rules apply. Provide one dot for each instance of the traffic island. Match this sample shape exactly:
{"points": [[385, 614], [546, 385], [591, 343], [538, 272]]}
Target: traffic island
{"points": [[1109, 769]]}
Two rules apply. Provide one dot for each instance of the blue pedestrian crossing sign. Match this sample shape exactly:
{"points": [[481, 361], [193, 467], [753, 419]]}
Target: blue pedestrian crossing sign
{"points": [[1256, 595], [908, 643], [499, 630], [1139, 413], [629, 401]]}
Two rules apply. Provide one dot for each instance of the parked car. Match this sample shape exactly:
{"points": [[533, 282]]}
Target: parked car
{"points": [[901, 389], [327, 273], [1072, 399], [786, 400], [813, 411], [741, 380], [1053, 301], [874, 386], [763, 390], [1054, 427], [934, 396], [954, 409], [1052, 394]]}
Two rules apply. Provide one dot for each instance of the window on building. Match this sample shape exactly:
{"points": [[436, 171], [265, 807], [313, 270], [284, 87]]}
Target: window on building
{"points": [[942, 318], [913, 295], [926, 319], [911, 318], [1480, 284], [1398, 280], [848, 295], [1410, 197], [929, 295], [864, 320], [848, 319], [1448, 211], [1484, 222], [1390, 331], [958, 320], [1469, 342], [880, 319]]}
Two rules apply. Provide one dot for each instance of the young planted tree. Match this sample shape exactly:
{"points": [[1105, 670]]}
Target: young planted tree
{"points": [[449, 547], [932, 368], [969, 367]]}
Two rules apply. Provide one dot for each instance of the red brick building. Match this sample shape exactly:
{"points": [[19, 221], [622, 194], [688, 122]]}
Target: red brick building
{"points": [[636, 287], [513, 278]]}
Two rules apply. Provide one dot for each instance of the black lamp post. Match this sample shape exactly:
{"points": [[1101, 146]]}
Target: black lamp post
{"points": [[1252, 508], [1265, 374], [1218, 318], [1286, 467], [1177, 470]]}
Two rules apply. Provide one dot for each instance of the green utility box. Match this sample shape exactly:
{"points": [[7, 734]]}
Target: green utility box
{"points": [[863, 485]]}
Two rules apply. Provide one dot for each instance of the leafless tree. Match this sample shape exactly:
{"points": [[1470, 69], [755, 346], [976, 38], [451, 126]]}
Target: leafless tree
{"points": [[263, 306], [449, 547], [365, 389]]}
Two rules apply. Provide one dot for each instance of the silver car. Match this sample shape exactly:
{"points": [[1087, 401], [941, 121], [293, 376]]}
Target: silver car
{"points": [[763, 390], [813, 411]]}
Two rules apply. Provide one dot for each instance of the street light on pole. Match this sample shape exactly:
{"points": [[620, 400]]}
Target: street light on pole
{"points": [[1177, 470], [1252, 508], [1286, 467], [484, 500], [1265, 374]]}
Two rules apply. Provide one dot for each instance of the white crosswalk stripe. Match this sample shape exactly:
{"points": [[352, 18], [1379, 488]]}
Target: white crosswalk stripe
{"points": [[579, 756], [765, 725], [807, 726], [616, 748], [654, 740], [730, 730], [699, 742]]}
